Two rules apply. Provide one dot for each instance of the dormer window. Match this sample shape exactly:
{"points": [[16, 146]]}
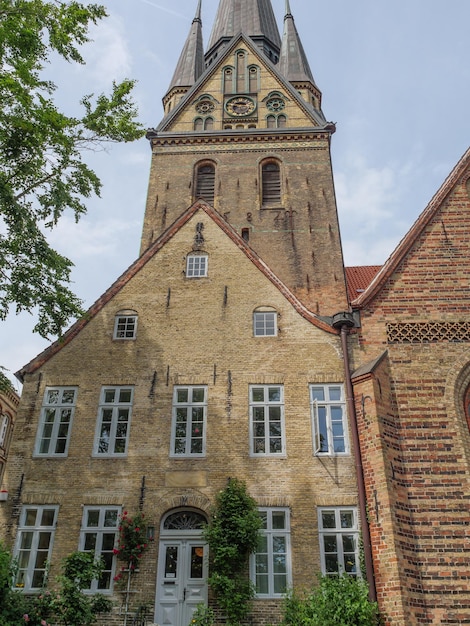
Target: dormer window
{"points": [[196, 265], [125, 325]]}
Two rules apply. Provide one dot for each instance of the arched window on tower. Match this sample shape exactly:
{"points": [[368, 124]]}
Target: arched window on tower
{"points": [[228, 80], [198, 123], [241, 72], [271, 121], [205, 182], [209, 123], [270, 184]]}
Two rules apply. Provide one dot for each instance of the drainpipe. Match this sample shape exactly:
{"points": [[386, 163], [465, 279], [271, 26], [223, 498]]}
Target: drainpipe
{"points": [[345, 321]]}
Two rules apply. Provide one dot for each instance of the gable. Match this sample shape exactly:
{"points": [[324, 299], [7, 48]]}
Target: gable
{"points": [[427, 273], [157, 281], [243, 71]]}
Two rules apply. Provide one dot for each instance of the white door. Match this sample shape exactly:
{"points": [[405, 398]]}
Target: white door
{"points": [[182, 580]]}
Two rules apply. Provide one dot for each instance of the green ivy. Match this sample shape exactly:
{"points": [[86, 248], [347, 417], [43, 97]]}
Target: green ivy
{"points": [[232, 535]]}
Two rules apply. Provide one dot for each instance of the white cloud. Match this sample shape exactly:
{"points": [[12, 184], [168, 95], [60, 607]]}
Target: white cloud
{"points": [[108, 56]]}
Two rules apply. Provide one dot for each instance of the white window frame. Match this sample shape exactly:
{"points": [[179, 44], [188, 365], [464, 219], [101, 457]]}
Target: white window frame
{"points": [[55, 425], [265, 414], [125, 327], [186, 421], [4, 429], [329, 420], [266, 561], [31, 551], [96, 539], [196, 265], [340, 537], [265, 323], [118, 413]]}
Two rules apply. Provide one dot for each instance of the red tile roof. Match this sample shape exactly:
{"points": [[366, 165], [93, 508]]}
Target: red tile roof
{"points": [[359, 278]]}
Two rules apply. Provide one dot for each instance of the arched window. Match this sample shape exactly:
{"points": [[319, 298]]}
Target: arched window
{"points": [[184, 520], [209, 123], [205, 182], [241, 72], [271, 121], [270, 183], [253, 78], [281, 121], [228, 80], [198, 123]]}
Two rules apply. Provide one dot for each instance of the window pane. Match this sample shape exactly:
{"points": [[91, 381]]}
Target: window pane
{"points": [[347, 519], [198, 395], [47, 518], [279, 519], [328, 519], [257, 394], [318, 393], [182, 395], [335, 393], [274, 394], [30, 517], [93, 518]]}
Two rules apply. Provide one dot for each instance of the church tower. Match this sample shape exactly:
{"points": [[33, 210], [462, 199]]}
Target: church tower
{"points": [[243, 129]]}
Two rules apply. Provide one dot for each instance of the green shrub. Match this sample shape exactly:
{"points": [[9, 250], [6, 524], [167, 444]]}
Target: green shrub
{"points": [[336, 601]]}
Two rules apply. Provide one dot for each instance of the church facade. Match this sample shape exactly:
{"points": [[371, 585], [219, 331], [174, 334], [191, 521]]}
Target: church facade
{"points": [[238, 345]]}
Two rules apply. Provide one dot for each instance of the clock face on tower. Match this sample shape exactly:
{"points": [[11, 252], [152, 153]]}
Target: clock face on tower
{"points": [[240, 106]]}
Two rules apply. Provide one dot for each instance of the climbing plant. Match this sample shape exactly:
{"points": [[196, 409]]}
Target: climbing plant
{"points": [[232, 535]]}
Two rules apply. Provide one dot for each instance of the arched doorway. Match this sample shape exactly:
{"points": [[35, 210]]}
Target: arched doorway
{"points": [[182, 567]]}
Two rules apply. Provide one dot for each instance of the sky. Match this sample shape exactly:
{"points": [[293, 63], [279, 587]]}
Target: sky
{"points": [[395, 78]]}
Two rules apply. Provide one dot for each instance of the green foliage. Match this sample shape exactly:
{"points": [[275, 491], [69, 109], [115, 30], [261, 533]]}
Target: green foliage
{"points": [[67, 606], [42, 172], [337, 601], [202, 616], [232, 535]]}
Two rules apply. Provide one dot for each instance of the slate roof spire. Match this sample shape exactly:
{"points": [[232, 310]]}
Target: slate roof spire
{"points": [[191, 62], [254, 18], [293, 63]]}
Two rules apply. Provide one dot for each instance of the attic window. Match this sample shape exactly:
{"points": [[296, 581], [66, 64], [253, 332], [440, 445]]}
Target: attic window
{"points": [[196, 265], [125, 326]]}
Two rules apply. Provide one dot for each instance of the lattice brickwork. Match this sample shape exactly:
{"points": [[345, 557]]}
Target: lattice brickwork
{"points": [[425, 332]]}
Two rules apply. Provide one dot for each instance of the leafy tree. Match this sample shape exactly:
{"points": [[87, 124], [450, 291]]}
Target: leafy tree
{"points": [[42, 171]]}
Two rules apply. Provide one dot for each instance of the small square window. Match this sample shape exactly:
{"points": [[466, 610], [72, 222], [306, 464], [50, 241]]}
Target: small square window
{"points": [[125, 327], [265, 324], [196, 266]]}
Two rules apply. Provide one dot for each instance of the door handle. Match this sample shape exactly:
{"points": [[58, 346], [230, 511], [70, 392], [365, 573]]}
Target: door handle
{"points": [[184, 594]]}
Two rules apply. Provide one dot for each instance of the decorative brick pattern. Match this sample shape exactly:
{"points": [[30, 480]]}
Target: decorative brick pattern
{"points": [[422, 332]]}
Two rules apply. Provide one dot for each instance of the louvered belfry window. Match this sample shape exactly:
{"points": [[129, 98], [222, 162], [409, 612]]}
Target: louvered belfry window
{"points": [[271, 184], [205, 183]]}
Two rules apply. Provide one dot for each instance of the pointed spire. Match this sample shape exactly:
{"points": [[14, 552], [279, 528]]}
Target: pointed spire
{"points": [[255, 18], [293, 63], [191, 62]]}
